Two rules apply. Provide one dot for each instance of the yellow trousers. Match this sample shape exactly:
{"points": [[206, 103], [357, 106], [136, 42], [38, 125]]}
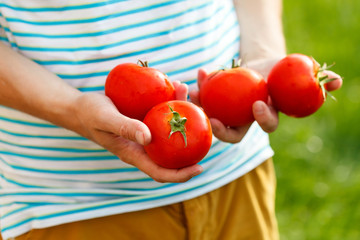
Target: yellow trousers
{"points": [[243, 209]]}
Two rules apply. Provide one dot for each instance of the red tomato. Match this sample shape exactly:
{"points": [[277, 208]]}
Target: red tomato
{"points": [[136, 89], [296, 85], [181, 134], [228, 95]]}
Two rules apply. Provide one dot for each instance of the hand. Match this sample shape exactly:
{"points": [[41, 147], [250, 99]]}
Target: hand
{"points": [[101, 122], [335, 84], [263, 66], [264, 113], [222, 132]]}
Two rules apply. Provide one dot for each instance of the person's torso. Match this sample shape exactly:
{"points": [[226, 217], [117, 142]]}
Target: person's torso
{"points": [[50, 174]]}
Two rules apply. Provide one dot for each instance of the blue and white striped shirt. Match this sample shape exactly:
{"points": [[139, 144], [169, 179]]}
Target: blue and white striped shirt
{"points": [[50, 175]]}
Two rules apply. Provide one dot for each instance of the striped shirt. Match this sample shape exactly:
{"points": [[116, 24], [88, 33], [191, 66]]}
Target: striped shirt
{"points": [[50, 175]]}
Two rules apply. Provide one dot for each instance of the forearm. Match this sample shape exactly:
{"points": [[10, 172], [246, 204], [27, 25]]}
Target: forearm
{"points": [[30, 88], [261, 29]]}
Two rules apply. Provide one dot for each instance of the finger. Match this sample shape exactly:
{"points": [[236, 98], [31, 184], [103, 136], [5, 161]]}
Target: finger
{"points": [[142, 161], [120, 125], [195, 97], [161, 174], [335, 84], [202, 74], [266, 116], [181, 90], [175, 83], [134, 154], [132, 129], [231, 135]]}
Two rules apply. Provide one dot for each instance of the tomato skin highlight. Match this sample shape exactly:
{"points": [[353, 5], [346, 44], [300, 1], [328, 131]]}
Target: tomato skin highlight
{"points": [[173, 152], [294, 87], [135, 89], [228, 95]]}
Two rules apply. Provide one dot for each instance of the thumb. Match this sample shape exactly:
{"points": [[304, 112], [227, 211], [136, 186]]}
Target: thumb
{"points": [[266, 116], [131, 129], [202, 75], [336, 83]]}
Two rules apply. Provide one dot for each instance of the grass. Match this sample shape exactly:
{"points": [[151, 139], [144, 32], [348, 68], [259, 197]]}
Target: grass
{"points": [[318, 157]]}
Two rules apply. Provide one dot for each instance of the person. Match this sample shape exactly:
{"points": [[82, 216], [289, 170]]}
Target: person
{"points": [[73, 167]]}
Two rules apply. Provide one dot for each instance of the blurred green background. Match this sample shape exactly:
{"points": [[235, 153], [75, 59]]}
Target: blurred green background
{"points": [[317, 158]]}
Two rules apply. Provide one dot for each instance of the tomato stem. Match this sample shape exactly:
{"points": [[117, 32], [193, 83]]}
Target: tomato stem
{"points": [[324, 79], [177, 124], [322, 83], [235, 64], [325, 67], [143, 64]]}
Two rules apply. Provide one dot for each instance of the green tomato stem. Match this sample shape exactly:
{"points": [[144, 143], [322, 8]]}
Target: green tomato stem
{"points": [[177, 124], [235, 64], [325, 79], [143, 64]]}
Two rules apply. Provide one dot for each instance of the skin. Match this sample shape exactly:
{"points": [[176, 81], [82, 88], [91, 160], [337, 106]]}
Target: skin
{"points": [[262, 45], [264, 113], [30, 88]]}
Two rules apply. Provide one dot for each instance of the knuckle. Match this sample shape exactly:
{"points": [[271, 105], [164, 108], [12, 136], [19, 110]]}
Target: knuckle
{"points": [[158, 179], [124, 132], [182, 180], [162, 179]]}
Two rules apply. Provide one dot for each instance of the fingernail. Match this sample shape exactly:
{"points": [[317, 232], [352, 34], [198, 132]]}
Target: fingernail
{"points": [[259, 108], [140, 137]]}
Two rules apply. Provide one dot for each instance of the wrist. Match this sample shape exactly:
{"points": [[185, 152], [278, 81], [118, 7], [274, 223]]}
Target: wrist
{"points": [[61, 109], [256, 50]]}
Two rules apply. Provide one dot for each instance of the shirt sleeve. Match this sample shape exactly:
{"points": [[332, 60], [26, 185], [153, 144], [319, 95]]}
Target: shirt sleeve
{"points": [[3, 35]]}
